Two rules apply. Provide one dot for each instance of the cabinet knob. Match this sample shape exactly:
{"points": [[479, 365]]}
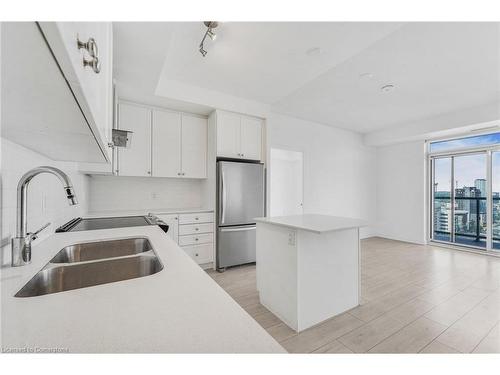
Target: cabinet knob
{"points": [[196, 229], [196, 254], [149, 172], [178, 173], [94, 64], [90, 46], [197, 218], [196, 239]]}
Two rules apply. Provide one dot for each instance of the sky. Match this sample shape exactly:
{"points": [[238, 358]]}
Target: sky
{"points": [[478, 140], [468, 167]]}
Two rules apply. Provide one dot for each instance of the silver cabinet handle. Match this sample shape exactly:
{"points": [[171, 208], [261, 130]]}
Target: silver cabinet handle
{"points": [[90, 46], [94, 64]]}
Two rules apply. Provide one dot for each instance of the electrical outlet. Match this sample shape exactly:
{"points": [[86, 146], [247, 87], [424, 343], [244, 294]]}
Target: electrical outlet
{"points": [[154, 195], [291, 238]]}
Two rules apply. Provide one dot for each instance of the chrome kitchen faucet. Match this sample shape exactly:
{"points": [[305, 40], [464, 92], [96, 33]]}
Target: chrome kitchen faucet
{"points": [[21, 244]]}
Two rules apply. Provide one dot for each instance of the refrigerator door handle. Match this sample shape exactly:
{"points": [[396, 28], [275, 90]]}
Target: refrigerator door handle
{"points": [[222, 199], [238, 229]]}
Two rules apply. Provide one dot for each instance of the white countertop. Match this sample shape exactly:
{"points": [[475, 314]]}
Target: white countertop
{"points": [[314, 222], [155, 211], [177, 310]]}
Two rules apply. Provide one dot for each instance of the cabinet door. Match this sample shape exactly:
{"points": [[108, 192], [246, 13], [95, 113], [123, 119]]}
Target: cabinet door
{"points": [[251, 138], [228, 135], [173, 225], [93, 90], [166, 144], [135, 160], [194, 147]]}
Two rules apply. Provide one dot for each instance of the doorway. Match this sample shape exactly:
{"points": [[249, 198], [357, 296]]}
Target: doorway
{"points": [[286, 182]]}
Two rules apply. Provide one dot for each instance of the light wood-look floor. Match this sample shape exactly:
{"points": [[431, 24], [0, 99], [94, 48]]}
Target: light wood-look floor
{"points": [[415, 299]]}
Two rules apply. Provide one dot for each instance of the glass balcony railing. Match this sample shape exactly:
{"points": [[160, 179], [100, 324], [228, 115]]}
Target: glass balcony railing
{"points": [[470, 221]]}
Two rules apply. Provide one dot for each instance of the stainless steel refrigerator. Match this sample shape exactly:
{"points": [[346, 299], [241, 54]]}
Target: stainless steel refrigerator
{"points": [[240, 199]]}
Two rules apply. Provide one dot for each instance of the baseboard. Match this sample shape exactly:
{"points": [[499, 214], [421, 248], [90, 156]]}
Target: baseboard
{"points": [[402, 239]]}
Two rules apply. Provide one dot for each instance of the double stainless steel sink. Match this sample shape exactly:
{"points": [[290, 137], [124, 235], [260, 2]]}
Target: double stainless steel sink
{"points": [[94, 263]]}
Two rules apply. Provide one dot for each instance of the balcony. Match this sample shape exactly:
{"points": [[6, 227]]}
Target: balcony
{"points": [[469, 221]]}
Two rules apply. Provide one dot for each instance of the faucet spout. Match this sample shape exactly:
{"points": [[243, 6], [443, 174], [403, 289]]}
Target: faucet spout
{"points": [[21, 246]]}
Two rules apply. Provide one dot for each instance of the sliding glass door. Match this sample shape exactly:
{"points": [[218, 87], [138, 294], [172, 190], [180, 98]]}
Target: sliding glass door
{"points": [[460, 199], [465, 191], [470, 193], [495, 177]]}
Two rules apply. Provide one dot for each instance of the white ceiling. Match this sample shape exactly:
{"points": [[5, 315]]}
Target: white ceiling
{"points": [[436, 67]]}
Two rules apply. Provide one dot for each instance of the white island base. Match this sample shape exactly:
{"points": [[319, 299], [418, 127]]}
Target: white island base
{"points": [[308, 267]]}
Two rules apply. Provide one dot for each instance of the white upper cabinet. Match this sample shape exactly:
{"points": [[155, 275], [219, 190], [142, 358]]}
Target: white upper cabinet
{"points": [[163, 144], [136, 159], [194, 147], [41, 108], [238, 136], [88, 71], [166, 144], [251, 138], [228, 135]]}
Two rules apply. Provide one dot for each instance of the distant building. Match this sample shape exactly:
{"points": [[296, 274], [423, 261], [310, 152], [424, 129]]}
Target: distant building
{"points": [[480, 184]]}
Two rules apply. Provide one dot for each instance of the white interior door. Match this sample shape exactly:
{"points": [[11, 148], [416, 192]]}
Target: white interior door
{"points": [[135, 160], [286, 182], [166, 144], [194, 147]]}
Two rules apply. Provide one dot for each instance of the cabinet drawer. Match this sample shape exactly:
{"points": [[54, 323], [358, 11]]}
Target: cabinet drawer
{"points": [[196, 239], [202, 217], [200, 253], [196, 228]]}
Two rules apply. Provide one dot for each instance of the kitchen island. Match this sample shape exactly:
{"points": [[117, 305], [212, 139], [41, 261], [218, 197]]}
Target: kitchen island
{"points": [[308, 267], [179, 309]]}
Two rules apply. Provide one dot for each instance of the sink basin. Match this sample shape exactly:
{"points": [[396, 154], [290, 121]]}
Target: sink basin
{"points": [[101, 250], [59, 278], [94, 263]]}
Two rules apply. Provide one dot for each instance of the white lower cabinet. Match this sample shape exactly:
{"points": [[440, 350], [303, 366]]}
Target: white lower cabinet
{"points": [[194, 233], [172, 220], [202, 254]]}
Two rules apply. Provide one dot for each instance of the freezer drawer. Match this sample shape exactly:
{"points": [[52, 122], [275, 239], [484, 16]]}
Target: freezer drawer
{"points": [[235, 245]]}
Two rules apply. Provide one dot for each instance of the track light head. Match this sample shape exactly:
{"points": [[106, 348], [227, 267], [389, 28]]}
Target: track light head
{"points": [[211, 25]]}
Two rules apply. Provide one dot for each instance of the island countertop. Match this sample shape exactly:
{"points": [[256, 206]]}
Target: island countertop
{"points": [[177, 310], [315, 223]]}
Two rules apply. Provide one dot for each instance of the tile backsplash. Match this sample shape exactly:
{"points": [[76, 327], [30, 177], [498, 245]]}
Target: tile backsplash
{"points": [[46, 199], [110, 193]]}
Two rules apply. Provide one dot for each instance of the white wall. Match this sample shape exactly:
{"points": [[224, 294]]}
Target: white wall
{"points": [[109, 193], [401, 192], [285, 182], [339, 170], [46, 199]]}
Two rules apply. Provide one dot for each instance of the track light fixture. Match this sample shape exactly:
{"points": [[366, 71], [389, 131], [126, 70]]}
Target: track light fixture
{"points": [[211, 25]]}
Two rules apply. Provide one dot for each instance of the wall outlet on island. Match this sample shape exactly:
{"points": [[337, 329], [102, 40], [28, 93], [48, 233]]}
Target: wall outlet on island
{"points": [[291, 238], [154, 195]]}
